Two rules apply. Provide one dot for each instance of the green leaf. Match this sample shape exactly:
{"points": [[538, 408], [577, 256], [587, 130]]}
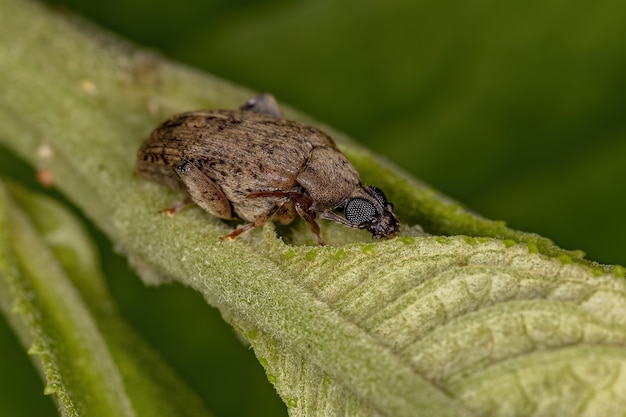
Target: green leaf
{"points": [[55, 298], [78, 369], [479, 320]]}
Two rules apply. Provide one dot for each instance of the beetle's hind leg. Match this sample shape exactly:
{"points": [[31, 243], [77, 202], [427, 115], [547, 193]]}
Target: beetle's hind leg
{"points": [[170, 211], [203, 191]]}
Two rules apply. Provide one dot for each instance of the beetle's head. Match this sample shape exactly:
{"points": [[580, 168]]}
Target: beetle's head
{"points": [[368, 208]]}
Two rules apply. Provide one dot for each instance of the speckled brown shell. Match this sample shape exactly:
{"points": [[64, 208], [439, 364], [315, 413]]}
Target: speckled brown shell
{"points": [[244, 152]]}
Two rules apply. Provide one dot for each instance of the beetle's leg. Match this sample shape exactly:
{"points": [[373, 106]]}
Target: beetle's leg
{"points": [[170, 211], [309, 216], [233, 235], [302, 203], [260, 221], [286, 213], [329, 215], [263, 104], [278, 194], [203, 191]]}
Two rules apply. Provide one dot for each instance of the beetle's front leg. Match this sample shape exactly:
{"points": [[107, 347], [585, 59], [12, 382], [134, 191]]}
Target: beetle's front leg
{"points": [[304, 210]]}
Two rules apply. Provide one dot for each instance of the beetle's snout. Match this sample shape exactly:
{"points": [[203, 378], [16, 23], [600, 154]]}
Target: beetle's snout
{"points": [[386, 225]]}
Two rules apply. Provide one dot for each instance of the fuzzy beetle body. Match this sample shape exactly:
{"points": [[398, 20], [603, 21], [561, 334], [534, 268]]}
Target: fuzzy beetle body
{"points": [[252, 165]]}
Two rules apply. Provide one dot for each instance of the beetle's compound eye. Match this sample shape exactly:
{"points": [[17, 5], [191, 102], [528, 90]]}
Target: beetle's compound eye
{"points": [[379, 195], [359, 211]]}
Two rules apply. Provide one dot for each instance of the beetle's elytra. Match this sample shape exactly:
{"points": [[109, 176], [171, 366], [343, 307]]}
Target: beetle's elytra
{"points": [[253, 165]]}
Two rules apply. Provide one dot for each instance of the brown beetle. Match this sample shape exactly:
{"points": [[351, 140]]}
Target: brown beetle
{"points": [[253, 165]]}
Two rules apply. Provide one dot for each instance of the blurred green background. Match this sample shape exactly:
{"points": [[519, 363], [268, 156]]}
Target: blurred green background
{"points": [[516, 109]]}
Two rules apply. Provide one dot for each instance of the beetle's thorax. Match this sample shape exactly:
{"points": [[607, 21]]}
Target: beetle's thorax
{"points": [[328, 178]]}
